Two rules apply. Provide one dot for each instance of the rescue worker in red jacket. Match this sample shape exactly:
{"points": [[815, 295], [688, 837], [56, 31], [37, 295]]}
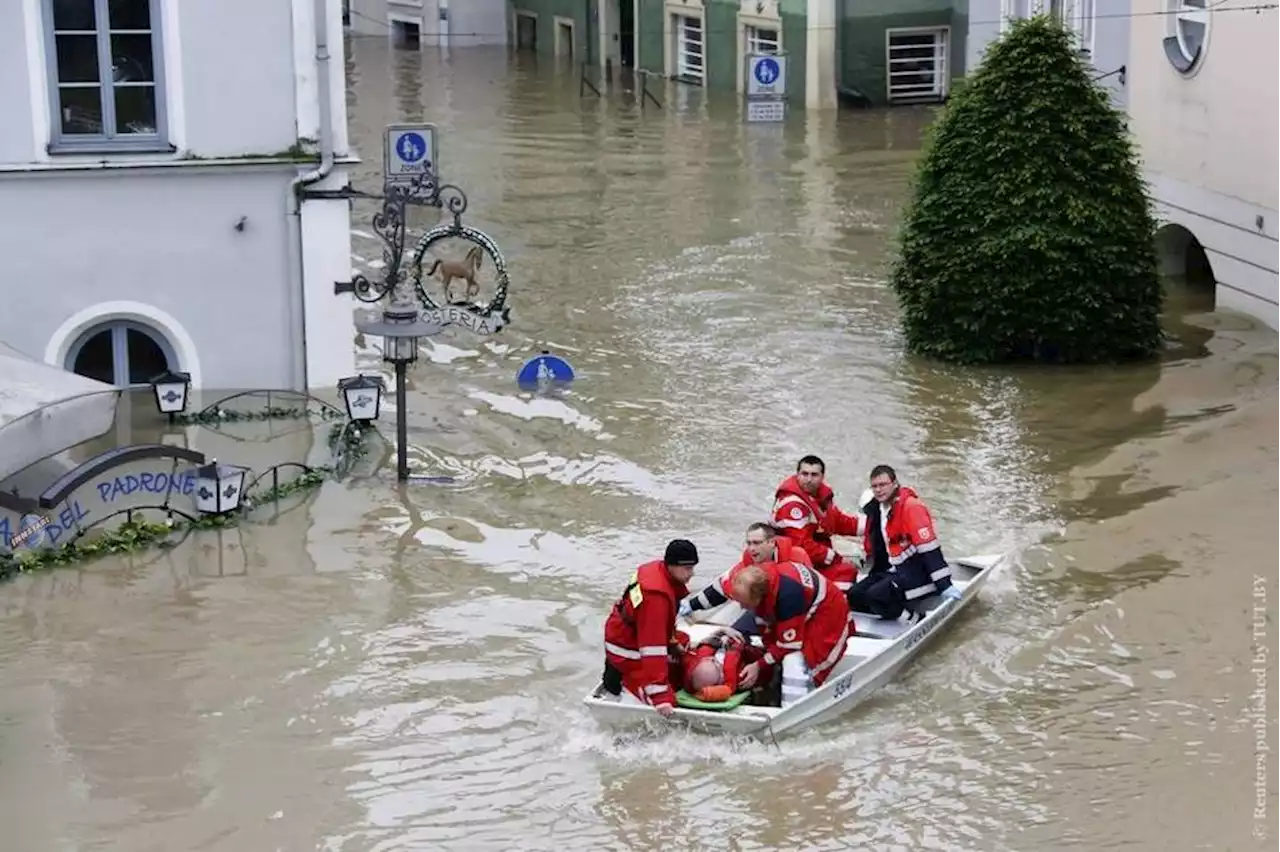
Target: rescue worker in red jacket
{"points": [[902, 550], [641, 647], [810, 624], [804, 510], [713, 667], [763, 546]]}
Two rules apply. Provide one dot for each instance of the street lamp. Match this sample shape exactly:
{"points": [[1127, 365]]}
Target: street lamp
{"points": [[400, 328], [171, 390], [218, 488], [363, 397]]}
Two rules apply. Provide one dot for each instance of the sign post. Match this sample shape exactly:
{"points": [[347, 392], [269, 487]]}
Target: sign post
{"points": [[766, 87], [409, 150]]}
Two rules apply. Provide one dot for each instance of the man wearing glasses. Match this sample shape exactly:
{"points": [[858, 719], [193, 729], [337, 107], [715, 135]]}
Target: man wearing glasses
{"points": [[902, 551]]}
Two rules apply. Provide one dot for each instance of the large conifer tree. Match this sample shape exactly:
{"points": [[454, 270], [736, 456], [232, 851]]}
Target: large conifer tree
{"points": [[1030, 233]]}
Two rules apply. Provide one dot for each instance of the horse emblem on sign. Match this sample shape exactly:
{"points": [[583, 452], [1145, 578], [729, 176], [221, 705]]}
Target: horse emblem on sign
{"points": [[454, 283]]}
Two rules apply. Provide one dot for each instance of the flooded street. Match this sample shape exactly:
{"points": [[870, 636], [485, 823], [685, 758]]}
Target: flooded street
{"points": [[402, 669]]}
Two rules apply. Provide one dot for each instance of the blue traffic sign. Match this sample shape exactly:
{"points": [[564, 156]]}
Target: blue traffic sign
{"points": [[544, 369], [767, 71], [409, 150], [411, 147]]}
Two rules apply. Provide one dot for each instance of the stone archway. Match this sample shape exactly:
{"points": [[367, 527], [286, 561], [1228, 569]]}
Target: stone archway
{"points": [[1184, 268]]}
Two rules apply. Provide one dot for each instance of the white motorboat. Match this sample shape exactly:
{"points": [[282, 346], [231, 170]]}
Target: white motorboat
{"points": [[873, 657]]}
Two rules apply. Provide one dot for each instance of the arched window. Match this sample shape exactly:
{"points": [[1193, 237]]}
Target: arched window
{"points": [[121, 353]]}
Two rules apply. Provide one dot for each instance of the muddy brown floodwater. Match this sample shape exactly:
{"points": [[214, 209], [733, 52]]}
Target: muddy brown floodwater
{"points": [[391, 670]]}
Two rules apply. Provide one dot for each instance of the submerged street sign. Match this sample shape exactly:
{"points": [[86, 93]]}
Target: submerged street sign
{"points": [[409, 150], [762, 111], [766, 75], [766, 87]]}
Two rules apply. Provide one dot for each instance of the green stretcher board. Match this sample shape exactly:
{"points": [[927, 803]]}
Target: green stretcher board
{"points": [[684, 699]]}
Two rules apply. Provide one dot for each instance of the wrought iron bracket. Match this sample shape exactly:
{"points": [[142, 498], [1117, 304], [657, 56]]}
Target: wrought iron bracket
{"points": [[389, 223]]}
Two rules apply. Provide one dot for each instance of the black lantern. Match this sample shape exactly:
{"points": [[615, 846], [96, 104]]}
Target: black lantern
{"points": [[400, 328], [218, 488], [363, 397], [171, 390]]}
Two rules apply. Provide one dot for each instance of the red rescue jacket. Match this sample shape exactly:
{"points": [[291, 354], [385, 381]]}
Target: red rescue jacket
{"points": [[730, 652], [911, 545], [810, 520], [717, 591], [807, 614], [640, 632]]}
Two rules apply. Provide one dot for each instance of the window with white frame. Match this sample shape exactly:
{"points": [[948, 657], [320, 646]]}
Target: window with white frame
{"points": [[762, 40], [1083, 17], [104, 62], [1013, 10], [689, 47]]}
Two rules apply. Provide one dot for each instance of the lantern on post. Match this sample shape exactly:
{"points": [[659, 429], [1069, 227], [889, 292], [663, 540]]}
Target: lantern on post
{"points": [[218, 488], [363, 397], [171, 390], [400, 328]]}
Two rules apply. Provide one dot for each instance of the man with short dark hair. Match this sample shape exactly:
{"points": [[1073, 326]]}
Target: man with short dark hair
{"points": [[903, 555], [804, 510]]}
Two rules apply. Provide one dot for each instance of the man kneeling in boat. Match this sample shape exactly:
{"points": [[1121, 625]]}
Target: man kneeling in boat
{"points": [[809, 624], [764, 545], [902, 550], [713, 666], [640, 633]]}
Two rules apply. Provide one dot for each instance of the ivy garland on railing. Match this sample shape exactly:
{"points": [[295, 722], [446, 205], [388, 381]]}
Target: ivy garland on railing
{"points": [[273, 412], [140, 534]]}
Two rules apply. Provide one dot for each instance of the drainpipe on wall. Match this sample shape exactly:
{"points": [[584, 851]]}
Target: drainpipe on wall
{"points": [[299, 183]]}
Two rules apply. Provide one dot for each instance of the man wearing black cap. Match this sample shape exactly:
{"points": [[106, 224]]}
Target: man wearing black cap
{"points": [[640, 633]]}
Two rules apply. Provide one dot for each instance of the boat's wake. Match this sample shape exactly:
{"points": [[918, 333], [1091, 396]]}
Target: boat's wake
{"points": [[663, 744]]}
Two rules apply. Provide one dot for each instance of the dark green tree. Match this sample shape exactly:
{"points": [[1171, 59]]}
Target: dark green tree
{"points": [[1030, 233]]}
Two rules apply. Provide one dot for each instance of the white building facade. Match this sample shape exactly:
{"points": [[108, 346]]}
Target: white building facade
{"points": [[1203, 106], [156, 158], [1102, 38]]}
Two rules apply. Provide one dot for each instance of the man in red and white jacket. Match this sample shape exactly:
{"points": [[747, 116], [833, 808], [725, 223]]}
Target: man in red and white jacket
{"points": [[809, 619], [804, 510], [641, 647]]}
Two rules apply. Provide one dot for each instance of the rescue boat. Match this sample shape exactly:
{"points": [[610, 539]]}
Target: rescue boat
{"points": [[874, 656]]}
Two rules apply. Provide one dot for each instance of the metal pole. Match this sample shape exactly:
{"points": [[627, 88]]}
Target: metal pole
{"points": [[402, 424]]}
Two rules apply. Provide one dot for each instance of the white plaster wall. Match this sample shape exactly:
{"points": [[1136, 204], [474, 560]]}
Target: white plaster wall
{"points": [[1208, 145]]}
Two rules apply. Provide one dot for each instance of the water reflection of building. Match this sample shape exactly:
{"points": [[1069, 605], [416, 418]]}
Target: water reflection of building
{"points": [[871, 52], [149, 186], [1103, 39], [462, 23], [1203, 107]]}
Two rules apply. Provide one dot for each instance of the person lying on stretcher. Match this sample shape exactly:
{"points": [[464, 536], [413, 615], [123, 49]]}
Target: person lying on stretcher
{"points": [[711, 667]]}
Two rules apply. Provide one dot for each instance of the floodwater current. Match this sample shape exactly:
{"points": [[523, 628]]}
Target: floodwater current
{"points": [[402, 669]]}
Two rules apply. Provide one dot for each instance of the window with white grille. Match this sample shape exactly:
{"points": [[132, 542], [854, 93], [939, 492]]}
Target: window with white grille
{"points": [[917, 62], [761, 40], [689, 47]]}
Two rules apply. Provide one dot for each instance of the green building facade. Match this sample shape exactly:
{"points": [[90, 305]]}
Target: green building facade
{"points": [[852, 43], [901, 51]]}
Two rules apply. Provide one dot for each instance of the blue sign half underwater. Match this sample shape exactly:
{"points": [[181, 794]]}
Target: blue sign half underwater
{"points": [[544, 369]]}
